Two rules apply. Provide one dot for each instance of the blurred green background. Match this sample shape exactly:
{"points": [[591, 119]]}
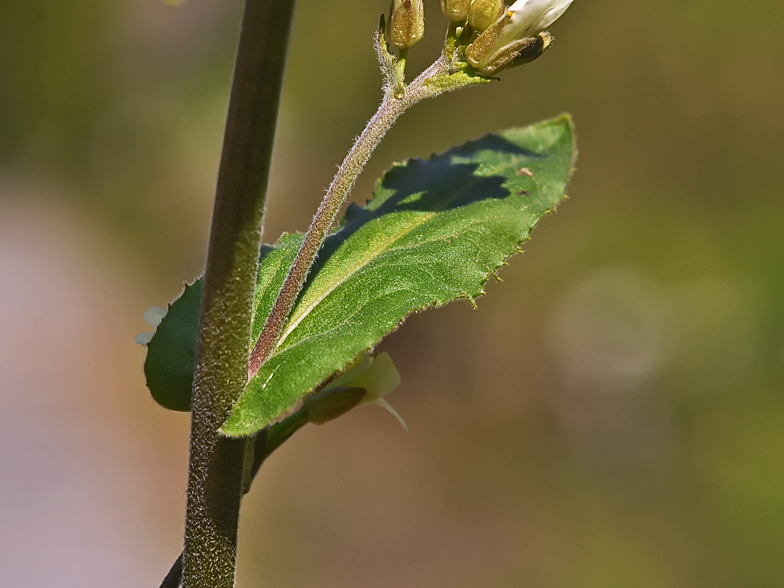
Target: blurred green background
{"points": [[611, 415]]}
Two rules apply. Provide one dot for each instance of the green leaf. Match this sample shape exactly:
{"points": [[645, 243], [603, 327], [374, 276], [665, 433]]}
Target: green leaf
{"points": [[171, 353], [435, 231]]}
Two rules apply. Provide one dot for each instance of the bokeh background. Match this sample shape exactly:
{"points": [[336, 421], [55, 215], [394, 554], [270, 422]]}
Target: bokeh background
{"points": [[611, 415]]}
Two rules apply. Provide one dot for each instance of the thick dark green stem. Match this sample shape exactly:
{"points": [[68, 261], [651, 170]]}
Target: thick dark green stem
{"points": [[216, 463], [264, 444], [174, 578]]}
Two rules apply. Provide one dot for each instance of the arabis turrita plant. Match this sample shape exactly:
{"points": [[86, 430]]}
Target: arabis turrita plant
{"points": [[276, 337]]}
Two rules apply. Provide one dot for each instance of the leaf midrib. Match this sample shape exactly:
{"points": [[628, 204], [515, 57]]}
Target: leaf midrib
{"points": [[299, 315]]}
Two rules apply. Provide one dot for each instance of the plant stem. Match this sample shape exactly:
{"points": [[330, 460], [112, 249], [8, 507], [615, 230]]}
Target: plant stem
{"points": [[216, 463], [174, 578], [435, 80], [262, 450], [264, 444]]}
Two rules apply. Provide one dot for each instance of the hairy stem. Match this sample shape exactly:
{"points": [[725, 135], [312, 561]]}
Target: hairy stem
{"points": [[264, 444], [436, 80], [216, 463], [262, 448], [174, 578]]}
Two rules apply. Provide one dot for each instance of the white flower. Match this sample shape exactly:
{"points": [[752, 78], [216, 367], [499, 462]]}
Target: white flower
{"points": [[517, 37], [528, 18]]}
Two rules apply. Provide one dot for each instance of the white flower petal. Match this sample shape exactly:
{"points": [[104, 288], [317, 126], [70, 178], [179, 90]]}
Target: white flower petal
{"points": [[555, 13], [154, 316], [528, 18], [143, 338]]}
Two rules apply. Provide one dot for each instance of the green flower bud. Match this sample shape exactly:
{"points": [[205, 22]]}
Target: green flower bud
{"points": [[406, 23], [456, 10], [484, 13], [541, 43]]}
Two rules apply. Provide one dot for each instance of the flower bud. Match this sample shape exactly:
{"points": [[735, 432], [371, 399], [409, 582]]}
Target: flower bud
{"points": [[489, 60], [406, 23], [540, 43], [456, 10], [516, 37], [483, 13]]}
